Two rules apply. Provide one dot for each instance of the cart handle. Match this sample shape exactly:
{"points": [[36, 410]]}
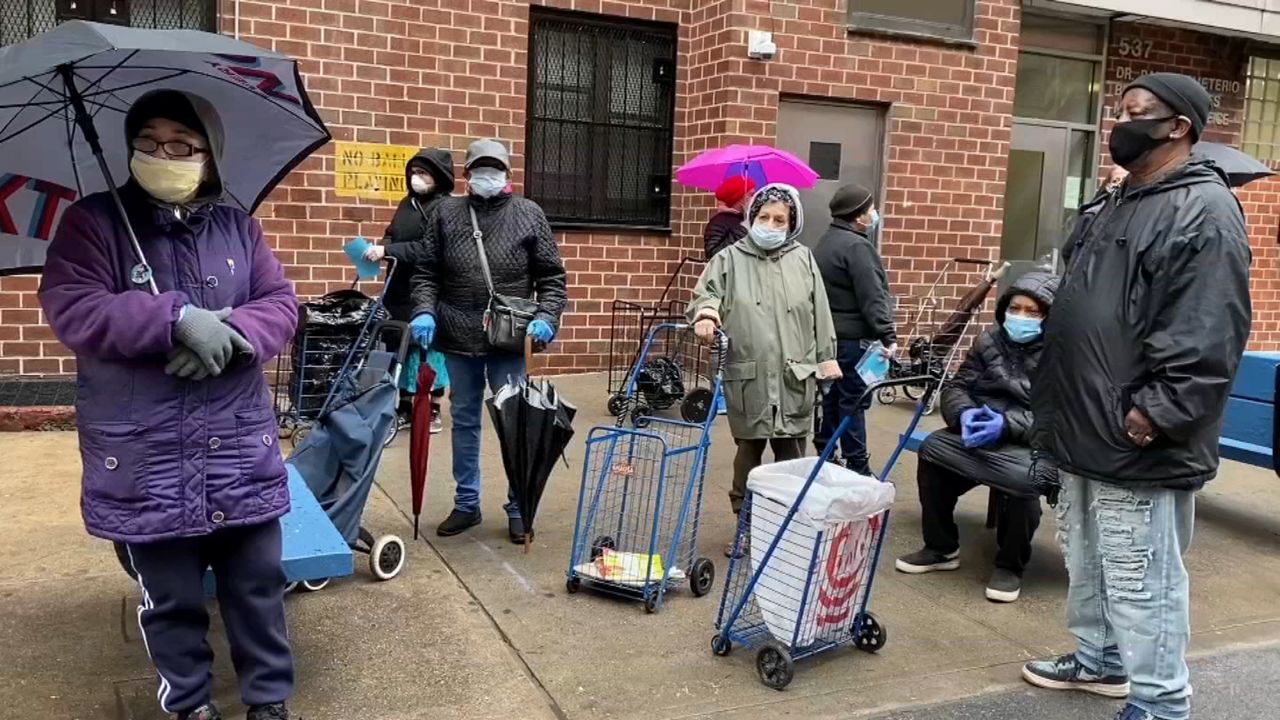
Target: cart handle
{"points": [[971, 261]]}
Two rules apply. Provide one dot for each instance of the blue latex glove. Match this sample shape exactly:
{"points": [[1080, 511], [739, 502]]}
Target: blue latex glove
{"points": [[541, 331], [987, 432], [423, 329], [969, 420]]}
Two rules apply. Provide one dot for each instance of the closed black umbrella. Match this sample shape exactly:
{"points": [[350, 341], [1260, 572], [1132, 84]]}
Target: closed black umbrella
{"points": [[534, 426], [1241, 168]]}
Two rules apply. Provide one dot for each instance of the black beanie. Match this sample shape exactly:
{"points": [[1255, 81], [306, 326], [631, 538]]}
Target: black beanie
{"points": [[851, 199], [166, 104], [1182, 94]]}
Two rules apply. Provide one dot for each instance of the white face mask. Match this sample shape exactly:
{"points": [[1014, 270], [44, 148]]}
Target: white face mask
{"points": [[169, 181], [766, 237], [421, 184], [487, 182]]}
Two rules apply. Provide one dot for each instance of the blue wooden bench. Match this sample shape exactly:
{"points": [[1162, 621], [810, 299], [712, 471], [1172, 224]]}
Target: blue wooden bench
{"points": [[313, 547], [1248, 429]]}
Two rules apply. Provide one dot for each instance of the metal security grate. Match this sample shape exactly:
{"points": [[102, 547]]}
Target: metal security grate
{"points": [[601, 109], [22, 19]]}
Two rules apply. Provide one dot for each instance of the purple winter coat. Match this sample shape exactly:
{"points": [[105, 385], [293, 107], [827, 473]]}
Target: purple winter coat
{"points": [[165, 457]]}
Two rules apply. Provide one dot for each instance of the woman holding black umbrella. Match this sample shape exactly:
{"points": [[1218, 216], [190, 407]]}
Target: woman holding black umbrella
{"points": [[177, 429]]}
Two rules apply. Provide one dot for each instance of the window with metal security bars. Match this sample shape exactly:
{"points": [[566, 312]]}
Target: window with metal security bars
{"points": [[1262, 109], [22, 19], [601, 110]]}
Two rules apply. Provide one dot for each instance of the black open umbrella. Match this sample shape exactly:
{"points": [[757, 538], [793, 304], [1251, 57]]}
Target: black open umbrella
{"points": [[1240, 167], [534, 426]]}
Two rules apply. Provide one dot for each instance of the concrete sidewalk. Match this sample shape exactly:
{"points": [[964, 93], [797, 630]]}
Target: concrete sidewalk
{"points": [[475, 628]]}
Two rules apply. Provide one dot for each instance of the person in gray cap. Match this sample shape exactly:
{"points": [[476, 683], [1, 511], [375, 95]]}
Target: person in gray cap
{"points": [[451, 296], [858, 292], [1140, 351]]}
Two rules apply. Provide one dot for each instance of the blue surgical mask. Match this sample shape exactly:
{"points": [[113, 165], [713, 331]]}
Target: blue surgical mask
{"points": [[1022, 329], [875, 220], [487, 182], [767, 238]]}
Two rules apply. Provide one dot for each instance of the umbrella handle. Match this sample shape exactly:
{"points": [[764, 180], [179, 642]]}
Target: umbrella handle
{"points": [[85, 121]]}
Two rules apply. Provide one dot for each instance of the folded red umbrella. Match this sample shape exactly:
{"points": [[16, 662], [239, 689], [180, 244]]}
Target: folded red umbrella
{"points": [[420, 439]]}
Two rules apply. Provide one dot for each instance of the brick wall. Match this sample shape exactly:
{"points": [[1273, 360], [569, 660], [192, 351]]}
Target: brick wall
{"points": [[441, 72]]}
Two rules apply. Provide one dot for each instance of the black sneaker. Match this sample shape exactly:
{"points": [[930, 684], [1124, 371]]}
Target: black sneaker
{"points": [[515, 528], [1004, 586], [205, 712], [1133, 712], [1066, 673], [457, 522], [926, 560], [274, 711]]}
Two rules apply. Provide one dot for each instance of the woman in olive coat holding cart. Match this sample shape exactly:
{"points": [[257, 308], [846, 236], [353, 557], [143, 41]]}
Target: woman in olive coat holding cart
{"points": [[765, 292]]}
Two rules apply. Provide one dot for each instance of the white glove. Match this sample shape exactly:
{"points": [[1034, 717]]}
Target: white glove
{"points": [[375, 253]]}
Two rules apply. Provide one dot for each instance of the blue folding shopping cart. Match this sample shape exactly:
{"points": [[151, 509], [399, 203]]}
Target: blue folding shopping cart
{"points": [[808, 590], [636, 532]]}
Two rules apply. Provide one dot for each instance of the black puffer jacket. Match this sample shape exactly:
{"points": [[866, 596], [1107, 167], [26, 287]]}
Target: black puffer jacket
{"points": [[523, 258], [723, 229], [997, 371], [403, 237], [1154, 313]]}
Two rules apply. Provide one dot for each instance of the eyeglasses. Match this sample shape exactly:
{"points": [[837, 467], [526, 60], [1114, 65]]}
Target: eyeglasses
{"points": [[173, 148]]}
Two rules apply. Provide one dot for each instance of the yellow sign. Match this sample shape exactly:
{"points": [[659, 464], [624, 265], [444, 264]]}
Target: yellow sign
{"points": [[370, 171]]}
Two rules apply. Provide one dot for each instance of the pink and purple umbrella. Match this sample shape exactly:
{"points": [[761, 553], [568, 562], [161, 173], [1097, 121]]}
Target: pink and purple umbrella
{"points": [[761, 163]]}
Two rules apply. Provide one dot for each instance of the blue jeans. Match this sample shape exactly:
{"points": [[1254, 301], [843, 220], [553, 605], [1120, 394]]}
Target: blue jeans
{"points": [[1128, 601], [467, 378], [845, 399]]}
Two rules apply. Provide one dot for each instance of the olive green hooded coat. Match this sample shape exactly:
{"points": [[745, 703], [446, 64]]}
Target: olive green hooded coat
{"points": [[773, 308]]}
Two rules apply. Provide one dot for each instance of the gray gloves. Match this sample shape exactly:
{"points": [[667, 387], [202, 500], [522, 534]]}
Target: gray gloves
{"points": [[205, 344]]}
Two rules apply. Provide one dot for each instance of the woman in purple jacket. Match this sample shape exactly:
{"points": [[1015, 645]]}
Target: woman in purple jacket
{"points": [[177, 433]]}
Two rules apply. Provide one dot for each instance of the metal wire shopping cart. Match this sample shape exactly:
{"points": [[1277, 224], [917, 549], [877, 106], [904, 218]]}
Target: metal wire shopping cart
{"points": [[333, 332], [796, 588], [936, 331], [629, 326], [636, 532]]}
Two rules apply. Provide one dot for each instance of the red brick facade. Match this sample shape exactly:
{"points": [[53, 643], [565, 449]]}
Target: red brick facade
{"points": [[442, 72]]}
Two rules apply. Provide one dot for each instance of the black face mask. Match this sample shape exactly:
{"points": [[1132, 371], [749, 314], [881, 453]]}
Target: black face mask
{"points": [[1131, 140]]}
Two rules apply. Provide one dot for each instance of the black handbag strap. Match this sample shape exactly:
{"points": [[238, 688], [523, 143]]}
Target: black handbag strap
{"points": [[484, 258]]}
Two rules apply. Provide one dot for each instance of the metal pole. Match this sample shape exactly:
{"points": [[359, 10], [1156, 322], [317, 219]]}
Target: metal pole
{"points": [[85, 122]]}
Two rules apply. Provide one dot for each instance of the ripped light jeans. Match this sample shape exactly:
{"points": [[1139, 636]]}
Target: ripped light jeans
{"points": [[1128, 603]]}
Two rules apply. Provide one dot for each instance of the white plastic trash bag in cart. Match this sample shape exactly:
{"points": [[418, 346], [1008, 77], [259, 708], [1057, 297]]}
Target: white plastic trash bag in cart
{"points": [[813, 584]]}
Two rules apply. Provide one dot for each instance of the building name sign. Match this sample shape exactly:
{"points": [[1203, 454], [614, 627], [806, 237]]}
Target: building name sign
{"points": [[1217, 87]]}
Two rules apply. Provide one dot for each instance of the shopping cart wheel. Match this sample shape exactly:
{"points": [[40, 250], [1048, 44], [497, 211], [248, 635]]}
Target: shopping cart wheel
{"points": [[651, 602], [720, 645], [299, 434], [640, 416], [872, 635], [290, 587], [618, 405], [391, 434], [386, 557], [913, 392], [773, 662], [696, 405], [702, 576], [315, 585], [573, 585], [599, 544], [887, 395]]}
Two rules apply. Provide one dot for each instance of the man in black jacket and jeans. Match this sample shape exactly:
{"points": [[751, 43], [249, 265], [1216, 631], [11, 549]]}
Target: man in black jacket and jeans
{"points": [[858, 292], [1140, 352]]}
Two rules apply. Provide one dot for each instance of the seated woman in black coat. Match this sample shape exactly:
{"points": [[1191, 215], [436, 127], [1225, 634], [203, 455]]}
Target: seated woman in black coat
{"points": [[987, 407]]}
